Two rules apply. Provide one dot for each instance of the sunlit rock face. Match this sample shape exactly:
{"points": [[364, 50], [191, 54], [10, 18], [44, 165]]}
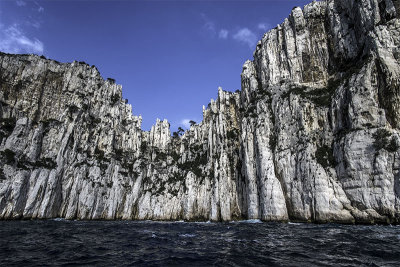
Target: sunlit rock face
{"points": [[312, 136]]}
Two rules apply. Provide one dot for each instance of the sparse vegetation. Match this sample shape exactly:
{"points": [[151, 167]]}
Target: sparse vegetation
{"points": [[381, 138], [232, 134], [161, 156], [2, 175], [8, 155], [196, 148], [47, 163], [176, 177], [273, 141], [94, 119], [324, 156], [7, 125], [99, 154], [323, 96], [103, 166], [175, 135], [381, 141], [195, 165], [85, 106], [114, 99], [180, 131], [111, 80], [49, 122], [143, 146], [72, 109], [175, 156], [319, 96], [25, 164], [393, 146]]}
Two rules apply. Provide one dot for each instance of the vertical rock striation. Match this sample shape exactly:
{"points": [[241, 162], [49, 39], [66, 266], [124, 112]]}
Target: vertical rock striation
{"points": [[312, 136]]}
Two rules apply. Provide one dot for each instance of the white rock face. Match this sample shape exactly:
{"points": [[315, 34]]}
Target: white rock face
{"points": [[312, 136]]}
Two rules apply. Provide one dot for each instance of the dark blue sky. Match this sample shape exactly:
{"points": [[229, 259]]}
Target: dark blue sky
{"points": [[169, 56]]}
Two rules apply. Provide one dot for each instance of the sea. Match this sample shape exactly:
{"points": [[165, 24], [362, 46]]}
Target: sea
{"points": [[60, 242]]}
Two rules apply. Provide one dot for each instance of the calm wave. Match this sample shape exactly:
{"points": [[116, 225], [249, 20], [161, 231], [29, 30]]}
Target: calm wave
{"points": [[249, 243]]}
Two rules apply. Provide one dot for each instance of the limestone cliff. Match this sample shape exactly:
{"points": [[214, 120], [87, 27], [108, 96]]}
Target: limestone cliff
{"points": [[312, 136]]}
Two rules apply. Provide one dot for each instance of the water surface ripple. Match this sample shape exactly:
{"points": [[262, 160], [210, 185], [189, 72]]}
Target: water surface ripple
{"points": [[249, 243]]}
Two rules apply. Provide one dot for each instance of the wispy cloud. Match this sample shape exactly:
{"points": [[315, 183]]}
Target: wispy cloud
{"points": [[35, 24], [20, 3], [246, 36], [209, 25], [40, 9], [223, 34], [13, 40], [264, 26], [186, 123]]}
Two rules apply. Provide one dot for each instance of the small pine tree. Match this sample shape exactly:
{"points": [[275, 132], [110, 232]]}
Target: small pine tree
{"points": [[180, 131], [111, 80], [381, 137], [392, 146]]}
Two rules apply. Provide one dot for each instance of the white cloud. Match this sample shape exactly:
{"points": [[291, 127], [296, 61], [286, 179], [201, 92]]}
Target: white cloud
{"points": [[186, 123], [13, 40], [39, 7], [223, 34], [209, 25], [21, 3], [264, 26], [32, 23], [35, 24], [246, 36]]}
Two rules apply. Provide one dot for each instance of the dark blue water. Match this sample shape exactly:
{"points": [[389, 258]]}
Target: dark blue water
{"points": [[105, 243]]}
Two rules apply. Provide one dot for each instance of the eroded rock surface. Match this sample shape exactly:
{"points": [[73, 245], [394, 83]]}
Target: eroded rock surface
{"points": [[312, 136]]}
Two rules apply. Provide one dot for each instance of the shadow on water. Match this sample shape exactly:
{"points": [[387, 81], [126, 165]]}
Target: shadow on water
{"points": [[250, 243]]}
